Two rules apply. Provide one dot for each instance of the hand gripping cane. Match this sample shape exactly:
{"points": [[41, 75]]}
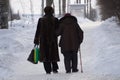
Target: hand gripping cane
{"points": [[80, 60]]}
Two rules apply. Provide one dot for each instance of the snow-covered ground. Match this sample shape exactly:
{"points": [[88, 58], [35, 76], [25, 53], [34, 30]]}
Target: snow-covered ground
{"points": [[100, 52]]}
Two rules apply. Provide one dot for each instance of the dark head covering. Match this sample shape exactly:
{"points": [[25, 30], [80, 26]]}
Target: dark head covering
{"points": [[67, 14], [48, 10]]}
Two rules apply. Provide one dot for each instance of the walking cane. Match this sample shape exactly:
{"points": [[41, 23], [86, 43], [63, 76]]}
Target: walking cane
{"points": [[81, 61]]}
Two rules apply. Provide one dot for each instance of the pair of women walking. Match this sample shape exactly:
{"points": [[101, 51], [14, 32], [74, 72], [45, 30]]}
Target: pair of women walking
{"points": [[48, 29]]}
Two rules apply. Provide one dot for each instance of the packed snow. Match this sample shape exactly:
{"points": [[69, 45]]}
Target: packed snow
{"points": [[100, 52]]}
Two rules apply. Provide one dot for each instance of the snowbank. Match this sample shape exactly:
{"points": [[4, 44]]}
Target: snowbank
{"points": [[13, 43], [107, 48]]}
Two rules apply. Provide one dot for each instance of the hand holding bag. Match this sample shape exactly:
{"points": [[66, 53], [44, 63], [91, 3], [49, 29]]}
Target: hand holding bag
{"points": [[34, 55]]}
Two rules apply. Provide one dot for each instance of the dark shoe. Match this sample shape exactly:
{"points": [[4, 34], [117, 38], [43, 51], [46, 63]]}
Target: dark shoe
{"points": [[76, 70], [55, 71], [48, 72], [68, 71]]}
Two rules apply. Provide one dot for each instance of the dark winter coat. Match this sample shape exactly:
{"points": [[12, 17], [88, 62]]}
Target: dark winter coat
{"points": [[46, 36], [71, 34]]}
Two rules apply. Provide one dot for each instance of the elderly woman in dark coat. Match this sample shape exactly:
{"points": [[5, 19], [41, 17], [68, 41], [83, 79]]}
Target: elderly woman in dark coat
{"points": [[47, 38], [71, 38]]}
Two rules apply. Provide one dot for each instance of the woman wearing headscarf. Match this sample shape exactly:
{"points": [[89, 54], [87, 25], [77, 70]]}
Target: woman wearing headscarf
{"points": [[70, 40]]}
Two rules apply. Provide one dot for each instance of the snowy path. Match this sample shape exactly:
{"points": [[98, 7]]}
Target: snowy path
{"points": [[23, 70]]}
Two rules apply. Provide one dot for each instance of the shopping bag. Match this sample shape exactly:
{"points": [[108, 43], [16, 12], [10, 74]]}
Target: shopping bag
{"points": [[34, 55]]}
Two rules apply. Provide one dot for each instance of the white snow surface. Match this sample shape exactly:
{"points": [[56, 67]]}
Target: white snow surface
{"points": [[100, 52]]}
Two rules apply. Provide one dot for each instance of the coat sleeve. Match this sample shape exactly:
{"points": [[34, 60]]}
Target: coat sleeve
{"points": [[37, 34], [80, 33], [56, 24], [59, 29]]}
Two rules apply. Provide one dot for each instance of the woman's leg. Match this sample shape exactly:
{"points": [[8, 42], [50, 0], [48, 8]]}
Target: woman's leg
{"points": [[74, 62], [54, 67], [47, 67], [67, 62]]}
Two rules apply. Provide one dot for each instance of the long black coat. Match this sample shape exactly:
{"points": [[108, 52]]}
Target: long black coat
{"points": [[71, 34], [46, 34]]}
